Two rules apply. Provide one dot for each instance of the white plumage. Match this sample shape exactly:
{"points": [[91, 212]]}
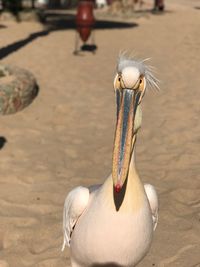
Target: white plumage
{"points": [[74, 206], [153, 201]]}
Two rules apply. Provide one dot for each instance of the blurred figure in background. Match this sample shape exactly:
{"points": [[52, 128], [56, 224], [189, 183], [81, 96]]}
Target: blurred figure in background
{"points": [[1, 6], [101, 3], [13, 6], [159, 5], [42, 4]]}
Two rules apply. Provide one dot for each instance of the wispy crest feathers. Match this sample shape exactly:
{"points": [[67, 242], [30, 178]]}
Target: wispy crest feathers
{"points": [[125, 60]]}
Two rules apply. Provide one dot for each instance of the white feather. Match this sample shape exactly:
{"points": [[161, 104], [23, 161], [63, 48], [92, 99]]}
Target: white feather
{"points": [[75, 204], [153, 201], [125, 61]]}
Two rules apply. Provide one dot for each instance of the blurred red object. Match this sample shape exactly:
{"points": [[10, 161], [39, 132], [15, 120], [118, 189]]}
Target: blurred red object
{"points": [[85, 19]]}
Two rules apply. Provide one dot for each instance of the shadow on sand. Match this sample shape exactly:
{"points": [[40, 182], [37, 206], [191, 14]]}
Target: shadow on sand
{"points": [[2, 142], [2, 26], [58, 22]]}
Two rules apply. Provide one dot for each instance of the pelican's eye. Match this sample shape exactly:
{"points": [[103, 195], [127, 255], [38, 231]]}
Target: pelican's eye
{"points": [[141, 84], [117, 81]]}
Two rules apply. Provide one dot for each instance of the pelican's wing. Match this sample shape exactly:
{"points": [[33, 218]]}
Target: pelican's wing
{"points": [[153, 201], [75, 204]]}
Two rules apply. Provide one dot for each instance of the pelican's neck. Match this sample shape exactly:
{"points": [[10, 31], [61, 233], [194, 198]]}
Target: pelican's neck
{"points": [[133, 180], [132, 162]]}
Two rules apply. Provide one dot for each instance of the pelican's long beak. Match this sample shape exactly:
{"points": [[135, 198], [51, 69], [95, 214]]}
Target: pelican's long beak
{"points": [[127, 102]]}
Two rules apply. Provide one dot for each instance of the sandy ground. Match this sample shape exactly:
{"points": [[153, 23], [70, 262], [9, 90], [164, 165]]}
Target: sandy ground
{"points": [[65, 137]]}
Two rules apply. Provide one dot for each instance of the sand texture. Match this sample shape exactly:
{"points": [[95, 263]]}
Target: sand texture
{"points": [[65, 137]]}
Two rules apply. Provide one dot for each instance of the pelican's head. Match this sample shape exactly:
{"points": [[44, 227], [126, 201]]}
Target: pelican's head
{"points": [[130, 84]]}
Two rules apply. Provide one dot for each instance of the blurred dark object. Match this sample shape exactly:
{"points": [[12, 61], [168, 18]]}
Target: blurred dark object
{"points": [[159, 5], [32, 4], [54, 3], [85, 22], [14, 6], [2, 141], [1, 5], [18, 10], [88, 47]]}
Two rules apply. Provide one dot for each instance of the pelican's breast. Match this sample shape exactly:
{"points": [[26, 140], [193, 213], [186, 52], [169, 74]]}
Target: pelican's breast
{"points": [[104, 235]]}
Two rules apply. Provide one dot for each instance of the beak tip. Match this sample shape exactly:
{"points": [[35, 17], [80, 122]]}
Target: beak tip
{"points": [[117, 188]]}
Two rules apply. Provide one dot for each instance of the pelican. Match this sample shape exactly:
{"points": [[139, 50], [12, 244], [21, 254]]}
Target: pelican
{"points": [[112, 224]]}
